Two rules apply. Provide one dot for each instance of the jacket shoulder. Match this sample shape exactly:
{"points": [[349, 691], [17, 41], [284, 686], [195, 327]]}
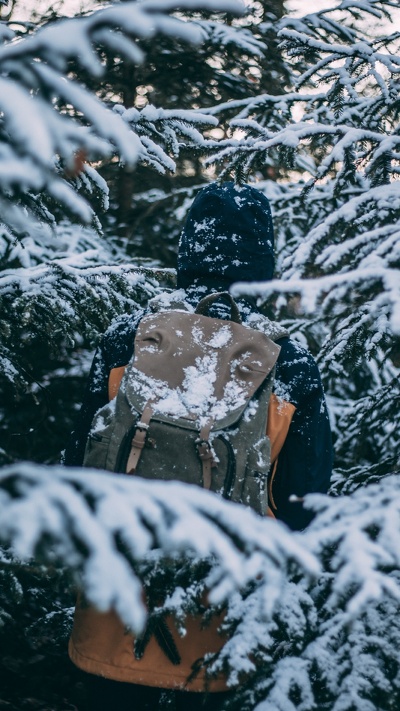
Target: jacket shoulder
{"points": [[117, 342], [297, 375]]}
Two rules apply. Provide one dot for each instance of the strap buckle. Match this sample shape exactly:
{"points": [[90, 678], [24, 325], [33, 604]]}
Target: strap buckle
{"points": [[204, 450], [142, 426]]}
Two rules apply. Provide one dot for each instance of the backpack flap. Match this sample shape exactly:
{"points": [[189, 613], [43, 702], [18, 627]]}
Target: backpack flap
{"points": [[192, 377], [196, 368]]}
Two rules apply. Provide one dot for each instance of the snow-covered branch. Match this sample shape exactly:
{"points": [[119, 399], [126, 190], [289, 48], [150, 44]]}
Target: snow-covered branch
{"points": [[76, 38], [296, 605], [362, 531], [95, 522], [343, 137], [170, 127], [314, 290], [67, 291], [51, 124], [347, 272]]}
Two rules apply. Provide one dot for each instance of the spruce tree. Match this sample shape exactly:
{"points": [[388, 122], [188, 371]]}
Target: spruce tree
{"points": [[313, 617], [337, 223], [60, 283]]}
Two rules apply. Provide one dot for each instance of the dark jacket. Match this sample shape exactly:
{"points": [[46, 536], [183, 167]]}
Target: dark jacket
{"points": [[228, 237]]}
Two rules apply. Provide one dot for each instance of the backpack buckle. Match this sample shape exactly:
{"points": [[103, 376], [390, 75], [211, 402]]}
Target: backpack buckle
{"points": [[204, 450], [206, 456], [142, 426]]}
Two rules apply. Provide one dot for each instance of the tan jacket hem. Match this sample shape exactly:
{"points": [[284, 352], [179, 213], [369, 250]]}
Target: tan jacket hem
{"points": [[154, 676], [99, 645]]}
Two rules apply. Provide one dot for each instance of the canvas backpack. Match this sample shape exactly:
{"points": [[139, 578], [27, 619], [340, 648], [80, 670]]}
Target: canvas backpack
{"points": [[193, 404]]}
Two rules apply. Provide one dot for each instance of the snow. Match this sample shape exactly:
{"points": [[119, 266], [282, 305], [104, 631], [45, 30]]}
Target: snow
{"points": [[83, 514], [375, 508], [320, 605], [224, 35], [39, 63], [312, 289], [196, 395], [17, 104], [221, 337]]}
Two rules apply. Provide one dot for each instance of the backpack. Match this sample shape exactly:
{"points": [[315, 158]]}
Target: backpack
{"points": [[193, 404]]}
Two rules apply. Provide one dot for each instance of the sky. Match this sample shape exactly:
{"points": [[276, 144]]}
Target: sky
{"points": [[70, 7], [25, 7]]}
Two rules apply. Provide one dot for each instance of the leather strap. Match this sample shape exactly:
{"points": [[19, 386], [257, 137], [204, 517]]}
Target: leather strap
{"points": [[139, 439], [205, 453]]}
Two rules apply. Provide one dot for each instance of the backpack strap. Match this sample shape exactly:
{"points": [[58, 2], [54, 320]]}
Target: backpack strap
{"points": [[205, 452], [139, 438]]}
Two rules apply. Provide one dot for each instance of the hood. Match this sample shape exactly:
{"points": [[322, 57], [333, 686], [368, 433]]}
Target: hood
{"points": [[228, 237]]}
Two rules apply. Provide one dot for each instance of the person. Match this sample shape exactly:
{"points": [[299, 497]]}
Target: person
{"points": [[227, 238]]}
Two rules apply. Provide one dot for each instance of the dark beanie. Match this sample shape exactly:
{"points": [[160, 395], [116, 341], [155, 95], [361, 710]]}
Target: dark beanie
{"points": [[228, 237]]}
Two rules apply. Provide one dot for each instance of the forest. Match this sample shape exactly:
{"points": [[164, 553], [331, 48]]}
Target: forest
{"points": [[111, 121]]}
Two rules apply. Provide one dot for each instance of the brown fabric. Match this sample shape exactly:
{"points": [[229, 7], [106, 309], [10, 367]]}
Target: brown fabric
{"points": [[114, 381], [206, 454], [139, 439], [100, 645], [280, 414], [165, 348]]}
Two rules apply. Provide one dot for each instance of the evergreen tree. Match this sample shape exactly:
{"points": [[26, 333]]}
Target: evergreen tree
{"points": [[56, 272], [232, 62], [338, 223], [313, 616]]}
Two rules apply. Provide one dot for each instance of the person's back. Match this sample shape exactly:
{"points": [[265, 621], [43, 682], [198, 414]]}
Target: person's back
{"points": [[227, 238]]}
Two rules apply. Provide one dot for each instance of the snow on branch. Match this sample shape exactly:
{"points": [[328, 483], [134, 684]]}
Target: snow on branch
{"points": [[331, 642], [66, 120], [169, 127], [335, 52], [339, 240], [249, 105], [361, 530], [263, 140], [60, 299], [224, 35], [74, 38], [384, 197], [313, 291], [299, 609], [354, 120], [361, 268], [95, 522]]}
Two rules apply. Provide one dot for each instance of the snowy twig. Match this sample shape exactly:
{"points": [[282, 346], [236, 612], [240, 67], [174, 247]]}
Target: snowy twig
{"points": [[81, 519]]}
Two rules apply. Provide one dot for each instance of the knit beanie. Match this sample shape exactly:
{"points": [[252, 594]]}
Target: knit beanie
{"points": [[228, 237]]}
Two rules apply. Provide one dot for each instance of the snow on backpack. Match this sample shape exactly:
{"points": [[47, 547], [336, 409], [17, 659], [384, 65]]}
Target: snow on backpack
{"points": [[193, 405]]}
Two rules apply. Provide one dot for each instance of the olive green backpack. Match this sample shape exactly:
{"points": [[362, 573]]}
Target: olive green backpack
{"points": [[193, 404]]}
